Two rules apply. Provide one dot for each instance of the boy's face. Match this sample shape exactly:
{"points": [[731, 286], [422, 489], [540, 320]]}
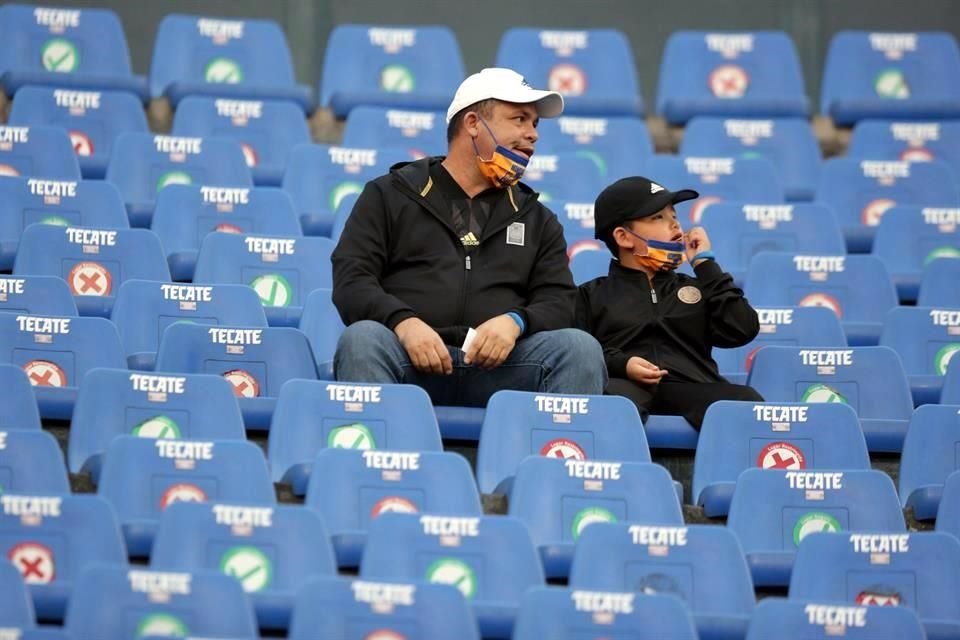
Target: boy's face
{"points": [[662, 226]]}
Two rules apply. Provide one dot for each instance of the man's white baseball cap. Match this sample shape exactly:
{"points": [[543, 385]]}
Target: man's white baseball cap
{"points": [[506, 85]]}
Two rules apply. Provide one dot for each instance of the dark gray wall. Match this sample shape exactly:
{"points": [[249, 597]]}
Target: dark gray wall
{"points": [[479, 24]]}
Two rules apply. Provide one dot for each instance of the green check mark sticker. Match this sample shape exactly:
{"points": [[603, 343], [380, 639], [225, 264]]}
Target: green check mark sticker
{"points": [[223, 71], [454, 572], [60, 56], [351, 436], [250, 566], [274, 290]]}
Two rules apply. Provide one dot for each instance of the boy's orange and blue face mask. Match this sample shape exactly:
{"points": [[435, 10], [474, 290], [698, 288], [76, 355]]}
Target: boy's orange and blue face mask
{"points": [[661, 255]]}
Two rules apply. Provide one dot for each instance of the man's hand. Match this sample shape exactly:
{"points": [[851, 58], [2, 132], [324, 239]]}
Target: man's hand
{"points": [[424, 346], [644, 371], [697, 242], [493, 342]]}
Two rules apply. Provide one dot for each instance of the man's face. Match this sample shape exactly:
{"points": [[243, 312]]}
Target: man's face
{"points": [[662, 226], [513, 125]]}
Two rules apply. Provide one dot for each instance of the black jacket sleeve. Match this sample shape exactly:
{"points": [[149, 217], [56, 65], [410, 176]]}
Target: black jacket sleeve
{"points": [[733, 322], [615, 359], [359, 261], [551, 294]]}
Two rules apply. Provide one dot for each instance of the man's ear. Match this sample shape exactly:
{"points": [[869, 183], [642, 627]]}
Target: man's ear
{"points": [[471, 123]]}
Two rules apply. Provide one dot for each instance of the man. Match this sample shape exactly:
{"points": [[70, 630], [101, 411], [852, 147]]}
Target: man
{"points": [[441, 246], [658, 327]]}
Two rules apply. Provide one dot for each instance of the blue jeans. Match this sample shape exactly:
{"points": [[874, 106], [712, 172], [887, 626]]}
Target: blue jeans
{"points": [[562, 361]]}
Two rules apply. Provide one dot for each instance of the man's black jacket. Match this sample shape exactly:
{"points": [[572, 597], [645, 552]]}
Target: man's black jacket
{"points": [[399, 257]]}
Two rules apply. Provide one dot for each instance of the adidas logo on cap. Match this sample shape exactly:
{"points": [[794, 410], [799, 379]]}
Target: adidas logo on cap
{"points": [[655, 188]]}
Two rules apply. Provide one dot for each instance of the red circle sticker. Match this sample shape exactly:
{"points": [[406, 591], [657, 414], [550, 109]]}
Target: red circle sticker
{"points": [[393, 504], [750, 356], [584, 245], [226, 227], [563, 449], [90, 279], [568, 79], [781, 455], [384, 634], [700, 205], [43, 373], [7, 170], [870, 599], [916, 154], [249, 154], [244, 384], [82, 144], [183, 492], [822, 300], [728, 81], [871, 214], [34, 561]]}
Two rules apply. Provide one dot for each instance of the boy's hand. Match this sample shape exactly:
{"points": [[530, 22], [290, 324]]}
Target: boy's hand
{"points": [[697, 242], [643, 371]]}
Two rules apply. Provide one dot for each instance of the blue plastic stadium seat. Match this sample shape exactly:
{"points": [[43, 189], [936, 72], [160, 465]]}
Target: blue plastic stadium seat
{"points": [[19, 409], [738, 232], [256, 361], [36, 295], [744, 74], [93, 262], [787, 142], [421, 133], [787, 326], [565, 614], [951, 385], [907, 141], [919, 571], [849, 376], [86, 203], [322, 325], [577, 221], [593, 69], [283, 270], [31, 463], [141, 477], [926, 340], [185, 214], [342, 214], [196, 55], [929, 457], [911, 237], [717, 179], [701, 564], [319, 176], [588, 265], [265, 129], [773, 511], [37, 152], [797, 620], [948, 515], [51, 539], [312, 415], [158, 603], [351, 489], [890, 75], [558, 499], [47, 633], [416, 67], [564, 176], [56, 353], [857, 288], [861, 191], [520, 423], [16, 607], [93, 119], [67, 48], [142, 164], [737, 436], [937, 284], [114, 402], [337, 607], [619, 146], [490, 559], [144, 309], [271, 551]]}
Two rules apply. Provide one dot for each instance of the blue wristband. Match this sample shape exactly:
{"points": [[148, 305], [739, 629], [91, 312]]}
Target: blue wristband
{"points": [[516, 318], [704, 255]]}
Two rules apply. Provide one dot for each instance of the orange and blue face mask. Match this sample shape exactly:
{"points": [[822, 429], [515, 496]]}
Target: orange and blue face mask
{"points": [[504, 168], [661, 255]]}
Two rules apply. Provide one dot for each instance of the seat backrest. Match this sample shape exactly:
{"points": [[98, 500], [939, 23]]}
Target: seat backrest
{"points": [[520, 423], [31, 463], [618, 145], [925, 338], [421, 133], [322, 325], [703, 565], [911, 237], [16, 608], [114, 402], [789, 326], [334, 607], [948, 516], [19, 409], [563, 614], [751, 73], [201, 603], [737, 436], [717, 179], [951, 385], [416, 67], [890, 75], [909, 141], [257, 361], [587, 265], [312, 415], [937, 285], [564, 176], [799, 620], [36, 295], [37, 152], [920, 571], [929, 449], [576, 218], [494, 562], [593, 69], [855, 287]]}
